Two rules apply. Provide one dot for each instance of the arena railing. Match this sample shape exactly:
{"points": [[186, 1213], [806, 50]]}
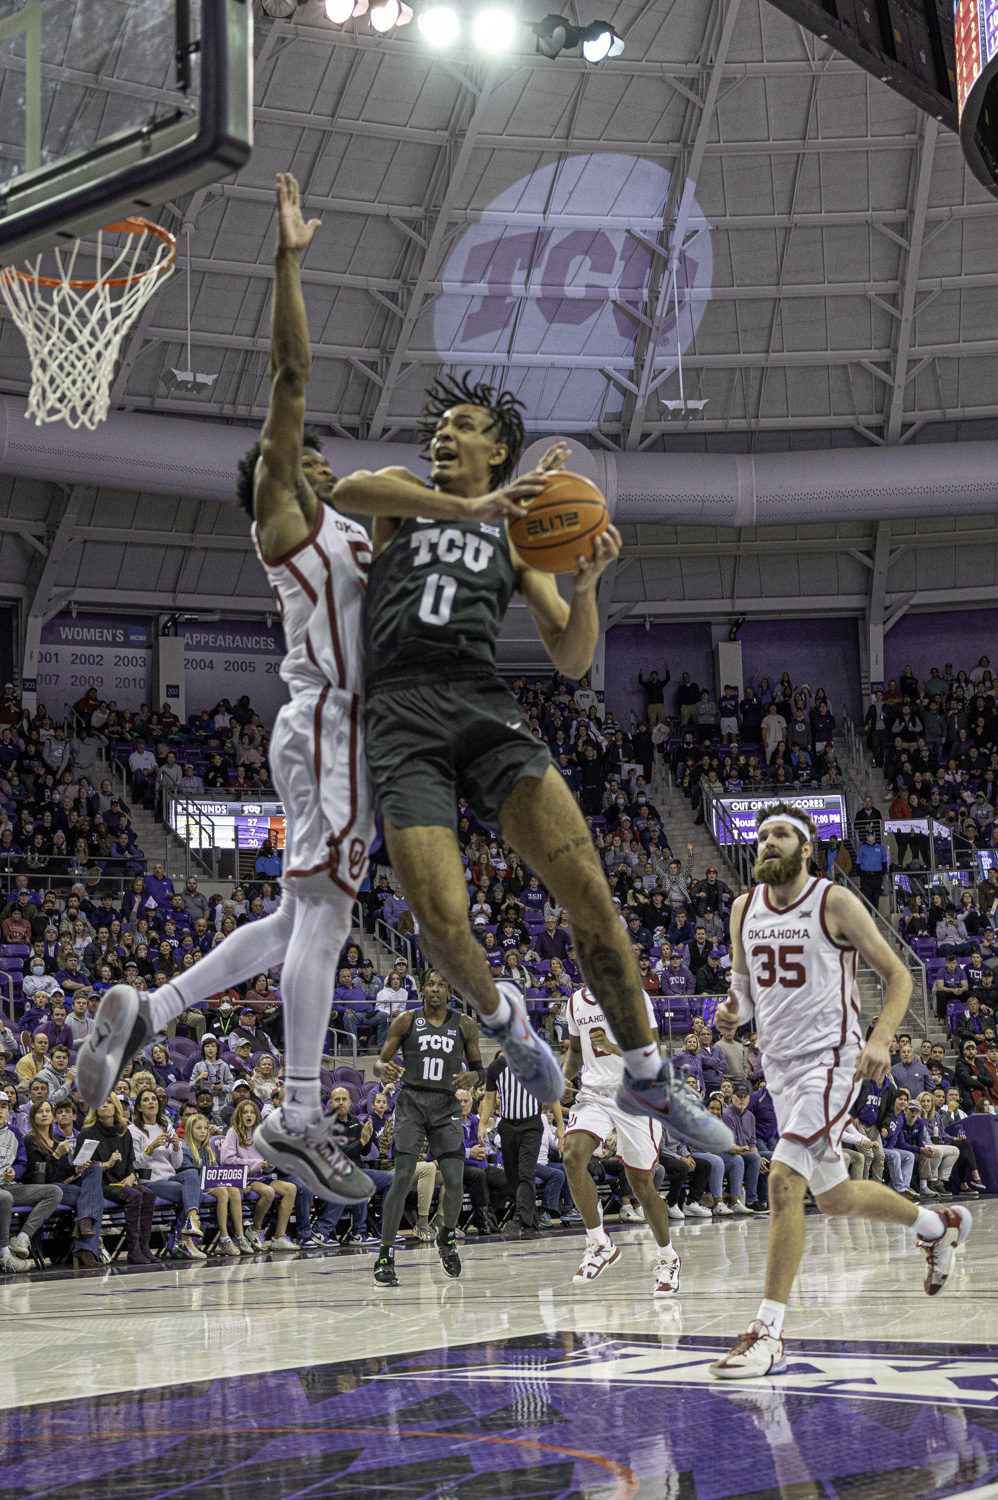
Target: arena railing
{"points": [[7, 992], [182, 806], [740, 859], [63, 884]]}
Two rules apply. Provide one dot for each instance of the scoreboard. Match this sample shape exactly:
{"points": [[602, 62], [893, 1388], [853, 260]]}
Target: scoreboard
{"points": [[202, 824], [976, 27], [825, 809]]}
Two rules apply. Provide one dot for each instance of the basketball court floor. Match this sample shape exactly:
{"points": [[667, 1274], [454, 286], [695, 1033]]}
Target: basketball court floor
{"points": [[297, 1378]]}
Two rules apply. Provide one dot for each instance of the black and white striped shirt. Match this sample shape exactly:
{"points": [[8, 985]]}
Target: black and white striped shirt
{"points": [[514, 1101]]}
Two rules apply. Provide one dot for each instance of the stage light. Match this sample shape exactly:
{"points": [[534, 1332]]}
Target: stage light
{"points": [[599, 41], [494, 30], [281, 9], [388, 14], [440, 25], [339, 11], [554, 34]]}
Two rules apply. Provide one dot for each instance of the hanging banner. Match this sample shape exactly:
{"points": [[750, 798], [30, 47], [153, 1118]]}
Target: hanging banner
{"points": [[111, 653], [231, 659]]}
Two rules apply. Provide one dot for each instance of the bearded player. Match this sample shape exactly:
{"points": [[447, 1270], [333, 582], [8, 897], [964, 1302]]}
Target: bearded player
{"points": [[316, 560], [795, 944], [440, 725]]}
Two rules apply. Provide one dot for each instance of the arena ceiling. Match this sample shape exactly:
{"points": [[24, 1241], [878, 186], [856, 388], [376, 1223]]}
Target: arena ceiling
{"points": [[834, 264]]}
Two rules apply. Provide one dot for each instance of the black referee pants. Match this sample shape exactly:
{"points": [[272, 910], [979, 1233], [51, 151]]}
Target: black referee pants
{"points": [[521, 1145]]}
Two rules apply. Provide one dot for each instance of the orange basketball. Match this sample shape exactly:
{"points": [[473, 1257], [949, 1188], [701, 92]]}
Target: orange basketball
{"points": [[560, 524]]}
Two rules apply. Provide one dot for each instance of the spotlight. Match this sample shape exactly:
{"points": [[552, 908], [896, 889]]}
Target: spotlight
{"points": [[280, 9], [554, 34], [388, 14], [599, 40], [339, 11], [494, 30], [440, 25]]}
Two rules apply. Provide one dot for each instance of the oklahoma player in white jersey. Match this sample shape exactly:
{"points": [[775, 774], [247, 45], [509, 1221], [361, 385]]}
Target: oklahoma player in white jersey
{"points": [[595, 1115], [795, 942], [316, 561]]}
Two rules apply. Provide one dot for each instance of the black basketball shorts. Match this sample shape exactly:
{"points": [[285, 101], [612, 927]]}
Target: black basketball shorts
{"points": [[430, 743], [430, 1115]]}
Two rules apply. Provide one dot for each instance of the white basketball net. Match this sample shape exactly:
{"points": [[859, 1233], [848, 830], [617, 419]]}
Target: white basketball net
{"points": [[74, 333]]}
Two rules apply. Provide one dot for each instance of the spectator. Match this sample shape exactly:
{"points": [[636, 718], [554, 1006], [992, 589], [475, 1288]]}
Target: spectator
{"points": [[687, 698], [211, 1072], [108, 1126], [741, 1121], [654, 689], [871, 859], [950, 986], [42, 1199], [238, 1150], [49, 1151], [197, 1153], [910, 1071]]}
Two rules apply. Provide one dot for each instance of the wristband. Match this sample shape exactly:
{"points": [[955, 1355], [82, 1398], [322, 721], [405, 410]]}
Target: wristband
{"points": [[740, 987]]}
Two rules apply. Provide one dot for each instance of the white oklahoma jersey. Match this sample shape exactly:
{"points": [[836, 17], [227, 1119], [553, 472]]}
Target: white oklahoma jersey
{"points": [[595, 1110], [806, 1004], [316, 751]]}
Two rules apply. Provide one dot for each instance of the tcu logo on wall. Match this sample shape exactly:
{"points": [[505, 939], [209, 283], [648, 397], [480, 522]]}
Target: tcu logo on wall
{"points": [[560, 236]]}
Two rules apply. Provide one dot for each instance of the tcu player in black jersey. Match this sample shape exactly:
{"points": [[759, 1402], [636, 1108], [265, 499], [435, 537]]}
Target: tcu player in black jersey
{"points": [[434, 1042], [441, 725]]}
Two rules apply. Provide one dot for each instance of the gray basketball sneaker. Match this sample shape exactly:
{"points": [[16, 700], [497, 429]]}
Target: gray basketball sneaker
{"points": [[122, 1027], [670, 1100], [315, 1156]]}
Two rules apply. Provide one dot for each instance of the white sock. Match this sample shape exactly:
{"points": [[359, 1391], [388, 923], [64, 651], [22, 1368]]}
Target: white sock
{"points": [[501, 1016], [772, 1314], [322, 926], [642, 1062], [250, 950], [928, 1224]]}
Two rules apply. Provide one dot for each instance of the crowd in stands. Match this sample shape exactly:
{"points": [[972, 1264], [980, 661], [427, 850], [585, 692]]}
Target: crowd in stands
{"points": [[62, 814], [193, 1099], [937, 741]]}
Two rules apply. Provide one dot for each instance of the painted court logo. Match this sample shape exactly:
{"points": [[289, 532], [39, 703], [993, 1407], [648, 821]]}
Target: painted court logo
{"points": [[552, 268]]}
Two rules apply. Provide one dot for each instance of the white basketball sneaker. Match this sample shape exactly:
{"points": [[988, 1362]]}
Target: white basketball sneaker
{"points": [[758, 1352], [941, 1252], [599, 1255], [667, 1268]]}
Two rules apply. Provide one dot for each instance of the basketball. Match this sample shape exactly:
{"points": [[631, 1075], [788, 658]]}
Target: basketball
{"points": [[560, 524]]}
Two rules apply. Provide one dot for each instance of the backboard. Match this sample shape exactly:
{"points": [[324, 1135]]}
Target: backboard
{"points": [[110, 107]]}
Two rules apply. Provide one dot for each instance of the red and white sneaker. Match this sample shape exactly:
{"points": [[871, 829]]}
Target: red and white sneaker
{"points": [[599, 1255], [667, 1268], [941, 1252], [758, 1352]]}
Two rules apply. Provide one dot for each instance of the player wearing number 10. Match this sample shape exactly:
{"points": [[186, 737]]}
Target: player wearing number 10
{"points": [[795, 943]]}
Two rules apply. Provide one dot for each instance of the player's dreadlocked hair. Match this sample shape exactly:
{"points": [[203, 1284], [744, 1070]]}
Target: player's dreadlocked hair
{"points": [[247, 468], [775, 809], [507, 424]]}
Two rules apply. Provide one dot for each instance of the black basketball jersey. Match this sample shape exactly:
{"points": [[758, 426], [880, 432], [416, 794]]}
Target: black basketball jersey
{"points": [[433, 1055], [435, 601]]}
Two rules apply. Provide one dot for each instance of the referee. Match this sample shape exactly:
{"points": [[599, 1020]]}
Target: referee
{"points": [[521, 1129]]}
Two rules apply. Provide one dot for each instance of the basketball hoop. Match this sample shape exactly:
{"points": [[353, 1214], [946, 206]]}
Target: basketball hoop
{"points": [[74, 328]]}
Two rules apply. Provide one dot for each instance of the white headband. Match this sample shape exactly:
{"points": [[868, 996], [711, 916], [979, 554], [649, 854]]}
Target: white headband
{"points": [[797, 823]]}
